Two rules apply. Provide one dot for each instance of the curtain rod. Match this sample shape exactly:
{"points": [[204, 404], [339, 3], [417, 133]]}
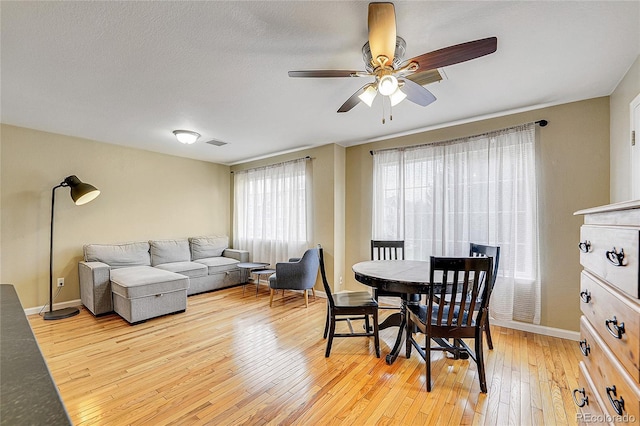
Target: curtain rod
{"points": [[276, 164], [541, 123]]}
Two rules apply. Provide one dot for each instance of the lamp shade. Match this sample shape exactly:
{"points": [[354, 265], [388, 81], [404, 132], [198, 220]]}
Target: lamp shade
{"points": [[368, 95], [81, 193], [397, 97], [387, 85]]}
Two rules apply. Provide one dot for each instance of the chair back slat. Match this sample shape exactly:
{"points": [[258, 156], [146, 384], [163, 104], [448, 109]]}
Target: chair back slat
{"points": [[387, 250], [461, 285], [479, 250]]}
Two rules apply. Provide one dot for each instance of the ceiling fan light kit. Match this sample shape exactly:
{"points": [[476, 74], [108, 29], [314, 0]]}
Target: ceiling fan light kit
{"points": [[396, 97], [383, 57], [387, 85], [368, 95]]}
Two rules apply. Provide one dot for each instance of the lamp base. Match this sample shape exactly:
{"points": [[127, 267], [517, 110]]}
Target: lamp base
{"points": [[61, 313]]}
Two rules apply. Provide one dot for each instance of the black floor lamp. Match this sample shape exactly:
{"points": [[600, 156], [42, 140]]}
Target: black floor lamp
{"points": [[81, 193]]}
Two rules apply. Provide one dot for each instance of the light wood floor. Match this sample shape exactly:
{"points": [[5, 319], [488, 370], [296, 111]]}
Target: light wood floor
{"points": [[230, 360]]}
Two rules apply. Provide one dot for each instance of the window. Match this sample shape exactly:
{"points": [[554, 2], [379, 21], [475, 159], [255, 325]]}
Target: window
{"points": [[440, 197], [270, 211]]}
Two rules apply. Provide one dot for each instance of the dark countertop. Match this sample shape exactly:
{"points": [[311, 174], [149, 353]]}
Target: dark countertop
{"points": [[28, 394]]}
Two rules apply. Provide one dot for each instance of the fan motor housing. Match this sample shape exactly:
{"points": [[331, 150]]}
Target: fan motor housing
{"points": [[398, 55]]}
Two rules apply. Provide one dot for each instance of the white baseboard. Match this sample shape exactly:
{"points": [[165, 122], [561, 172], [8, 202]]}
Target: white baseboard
{"points": [[61, 305], [538, 329]]}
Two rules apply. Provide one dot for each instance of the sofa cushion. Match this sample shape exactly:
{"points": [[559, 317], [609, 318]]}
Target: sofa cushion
{"points": [[118, 255], [219, 264], [143, 281], [190, 269], [206, 247], [167, 251]]}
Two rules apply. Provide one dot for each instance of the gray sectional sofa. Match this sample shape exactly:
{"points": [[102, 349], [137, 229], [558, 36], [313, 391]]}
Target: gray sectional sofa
{"points": [[142, 280]]}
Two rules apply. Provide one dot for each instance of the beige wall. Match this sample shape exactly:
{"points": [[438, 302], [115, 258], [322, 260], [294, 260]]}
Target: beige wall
{"points": [[327, 204], [573, 169], [574, 174], [620, 99], [144, 196]]}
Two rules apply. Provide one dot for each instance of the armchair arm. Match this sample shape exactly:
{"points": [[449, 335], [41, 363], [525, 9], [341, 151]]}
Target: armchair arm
{"points": [[95, 287], [239, 255]]}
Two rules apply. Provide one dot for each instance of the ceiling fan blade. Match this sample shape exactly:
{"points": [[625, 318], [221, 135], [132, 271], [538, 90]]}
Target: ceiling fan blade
{"points": [[426, 77], [455, 54], [417, 94], [382, 31], [324, 73], [353, 100]]}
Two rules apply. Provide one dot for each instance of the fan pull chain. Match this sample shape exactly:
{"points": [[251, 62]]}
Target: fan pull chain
{"points": [[383, 121]]}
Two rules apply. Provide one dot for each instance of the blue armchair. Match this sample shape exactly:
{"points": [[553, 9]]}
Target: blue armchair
{"points": [[297, 274]]}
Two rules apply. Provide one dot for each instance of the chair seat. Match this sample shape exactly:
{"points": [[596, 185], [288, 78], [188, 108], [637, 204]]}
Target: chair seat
{"points": [[356, 298], [420, 312]]}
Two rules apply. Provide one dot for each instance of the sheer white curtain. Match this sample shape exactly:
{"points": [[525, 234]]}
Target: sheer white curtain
{"points": [[270, 216], [440, 197]]}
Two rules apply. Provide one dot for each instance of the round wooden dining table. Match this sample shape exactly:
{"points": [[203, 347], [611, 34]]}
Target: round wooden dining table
{"points": [[409, 277]]}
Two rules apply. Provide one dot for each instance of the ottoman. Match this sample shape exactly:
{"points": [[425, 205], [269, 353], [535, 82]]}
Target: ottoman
{"points": [[143, 292]]}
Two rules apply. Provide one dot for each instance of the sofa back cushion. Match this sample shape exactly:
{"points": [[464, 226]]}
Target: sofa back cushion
{"points": [[118, 255], [168, 251], [204, 247]]}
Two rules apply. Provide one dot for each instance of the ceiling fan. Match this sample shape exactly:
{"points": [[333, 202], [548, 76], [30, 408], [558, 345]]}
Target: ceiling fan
{"points": [[396, 79]]}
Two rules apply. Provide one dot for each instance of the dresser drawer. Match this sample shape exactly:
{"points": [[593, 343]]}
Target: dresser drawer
{"points": [[612, 253], [612, 384], [615, 318], [588, 401]]}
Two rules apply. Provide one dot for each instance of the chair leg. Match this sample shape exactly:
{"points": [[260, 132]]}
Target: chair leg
{"points": [[376, 337], [487, 330], [409, 336], [427, 360], [332, 331], [326, 324], [480, 362], [313, 292], [271, 297], [306, 298]]}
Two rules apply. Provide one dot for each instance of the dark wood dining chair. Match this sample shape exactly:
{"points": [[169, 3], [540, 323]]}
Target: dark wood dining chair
{"points": [[387, 250], [348, 306], [493, 252], [467, 280]]}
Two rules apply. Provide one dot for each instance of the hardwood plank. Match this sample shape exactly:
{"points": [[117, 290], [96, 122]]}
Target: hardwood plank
{"points": [[230, 359]]}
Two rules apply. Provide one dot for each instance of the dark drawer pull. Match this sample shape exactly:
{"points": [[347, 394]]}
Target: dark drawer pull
{"points": [[585, 246], [584, 347], [615, 329], [615, 257], [584, 400], [617, 404], [585, 296]]}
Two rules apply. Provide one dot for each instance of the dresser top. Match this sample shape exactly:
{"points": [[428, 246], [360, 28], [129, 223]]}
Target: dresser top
{"points": [[625, 205]]}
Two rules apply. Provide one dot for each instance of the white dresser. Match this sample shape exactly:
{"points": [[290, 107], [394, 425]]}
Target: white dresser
{"points": [[609, 382]]}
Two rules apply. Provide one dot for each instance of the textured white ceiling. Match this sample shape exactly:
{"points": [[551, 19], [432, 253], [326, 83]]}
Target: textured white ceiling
{"points": [[129, 73]]}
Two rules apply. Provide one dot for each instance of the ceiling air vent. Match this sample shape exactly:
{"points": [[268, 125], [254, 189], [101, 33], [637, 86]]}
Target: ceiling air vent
{"points": [[216, 143]]}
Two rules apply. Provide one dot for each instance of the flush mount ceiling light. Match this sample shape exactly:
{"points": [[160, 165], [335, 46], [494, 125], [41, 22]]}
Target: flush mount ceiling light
{"points": [[186, 137]]}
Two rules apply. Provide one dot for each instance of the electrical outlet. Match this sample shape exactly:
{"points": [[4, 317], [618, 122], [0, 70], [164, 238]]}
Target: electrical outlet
{"points": [[60, 282], [340, 280]]}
